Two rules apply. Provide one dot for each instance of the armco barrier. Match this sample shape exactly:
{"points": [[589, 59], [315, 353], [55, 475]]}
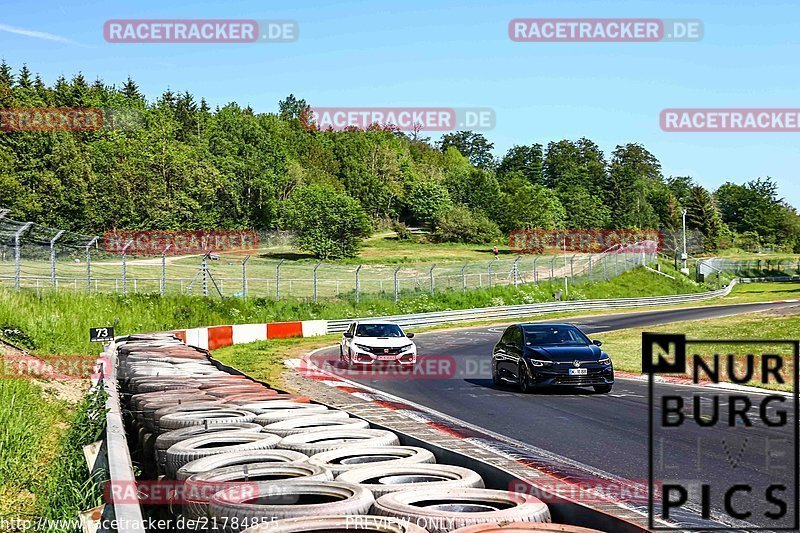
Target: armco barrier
{"points": [[118, 458], [213, 337], [514, 311]]}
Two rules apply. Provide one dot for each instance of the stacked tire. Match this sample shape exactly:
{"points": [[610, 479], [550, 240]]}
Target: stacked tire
{"points": [[245, 457]]}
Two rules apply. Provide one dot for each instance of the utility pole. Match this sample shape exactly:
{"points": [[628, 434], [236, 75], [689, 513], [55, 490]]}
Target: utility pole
{"points": [[684, 255], [566, 290]]}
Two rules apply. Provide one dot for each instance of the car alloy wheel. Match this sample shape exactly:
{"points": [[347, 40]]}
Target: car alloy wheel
{"points": [[495, 377], [523, 378]]}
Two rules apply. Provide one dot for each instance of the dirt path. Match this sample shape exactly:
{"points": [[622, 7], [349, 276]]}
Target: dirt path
{"points": [[65, 388]]}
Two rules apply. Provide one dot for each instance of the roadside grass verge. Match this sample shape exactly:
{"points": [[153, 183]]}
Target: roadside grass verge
{"points": [[759, 292], [263, 360], [68, 487], [30, 425], [57, 323], [625, 346]]}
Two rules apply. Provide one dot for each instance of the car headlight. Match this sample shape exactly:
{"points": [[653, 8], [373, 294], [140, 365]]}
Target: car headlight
{"points": [[540, 362], [406, 347], [364, 348], [605, 361]]}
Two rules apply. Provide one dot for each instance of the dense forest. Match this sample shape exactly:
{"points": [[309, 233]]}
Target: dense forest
{"points": [[188, 166]]}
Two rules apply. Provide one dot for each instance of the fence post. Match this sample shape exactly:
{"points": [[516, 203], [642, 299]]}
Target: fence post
{"points": [[605, 267], [552, 269], [591, 275], [464, 277], [535, 272], [53, 256], [315, 279], [489, 271], [358, 282], [430, 275], [17, 257], [396, 288], [278, 279], [89, 265], [244, 276], [572, 269], [514, 267], [164, 269], [125, 268]]}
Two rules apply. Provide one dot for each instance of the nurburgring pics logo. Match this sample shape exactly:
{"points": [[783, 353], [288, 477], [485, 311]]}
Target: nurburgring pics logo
{"points": [[400, 118], [604, 30], [234, 31], [730, 120], [724, 456]]}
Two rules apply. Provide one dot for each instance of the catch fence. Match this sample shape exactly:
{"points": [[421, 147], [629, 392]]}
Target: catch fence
{"points": [[41, 258]]}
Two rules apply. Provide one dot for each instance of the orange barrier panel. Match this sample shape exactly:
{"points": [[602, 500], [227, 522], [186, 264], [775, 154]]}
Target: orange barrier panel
{"points": [[283, 330], [219, 336]]}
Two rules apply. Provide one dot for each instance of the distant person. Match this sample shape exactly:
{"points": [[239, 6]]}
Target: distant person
{"points": [[495, 251]]}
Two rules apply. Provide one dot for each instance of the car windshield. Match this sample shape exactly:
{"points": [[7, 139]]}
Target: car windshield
{"points": [[378, 330], [554, 335]]}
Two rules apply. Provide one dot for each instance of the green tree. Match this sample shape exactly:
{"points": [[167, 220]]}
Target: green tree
{"points": [[703, 215], [472, 145], [328, 223], [584, 210], [426, 201], [523, 205], [527, 161]]}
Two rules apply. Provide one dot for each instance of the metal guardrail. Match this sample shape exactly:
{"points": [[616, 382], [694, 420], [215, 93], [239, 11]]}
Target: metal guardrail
{"points": [[514, 311], [127, 516]]}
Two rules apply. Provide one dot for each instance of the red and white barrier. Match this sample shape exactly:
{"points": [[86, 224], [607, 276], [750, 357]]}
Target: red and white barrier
{"points": [[213, 337]]}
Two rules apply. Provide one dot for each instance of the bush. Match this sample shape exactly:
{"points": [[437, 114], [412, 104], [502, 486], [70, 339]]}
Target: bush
{"points": [[402, 231], [426, 201], [329, 223], [459, 224]]}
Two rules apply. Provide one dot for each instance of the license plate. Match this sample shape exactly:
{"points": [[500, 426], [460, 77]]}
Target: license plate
{"points": [[386, 358], [578, 371]]}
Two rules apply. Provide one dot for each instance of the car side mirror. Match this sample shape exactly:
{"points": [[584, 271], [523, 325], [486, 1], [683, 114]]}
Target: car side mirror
{"points": [[410, 335], [348, 335], [597, 342]]}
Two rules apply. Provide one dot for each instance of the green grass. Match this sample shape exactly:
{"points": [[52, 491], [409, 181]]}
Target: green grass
{"points": [[758, 292], [68, 487], [30, 423], [625, 346], [58, 322], [263, 360]]}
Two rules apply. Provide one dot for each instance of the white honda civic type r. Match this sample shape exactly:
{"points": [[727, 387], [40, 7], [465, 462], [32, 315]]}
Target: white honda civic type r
{"points": [[366, 342]]}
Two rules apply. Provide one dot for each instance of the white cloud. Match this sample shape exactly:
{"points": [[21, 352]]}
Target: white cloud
{"points": [[36, 34]]}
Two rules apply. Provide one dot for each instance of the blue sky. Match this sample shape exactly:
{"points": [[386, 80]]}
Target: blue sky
{"points": [[446, 53]]}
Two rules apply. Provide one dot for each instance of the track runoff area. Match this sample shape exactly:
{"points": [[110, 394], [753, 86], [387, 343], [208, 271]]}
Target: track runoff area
{"points": [[712, 454]]}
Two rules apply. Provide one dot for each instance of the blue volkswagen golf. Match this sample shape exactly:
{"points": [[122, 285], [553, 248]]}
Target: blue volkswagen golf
{"points": [[544, 355]]}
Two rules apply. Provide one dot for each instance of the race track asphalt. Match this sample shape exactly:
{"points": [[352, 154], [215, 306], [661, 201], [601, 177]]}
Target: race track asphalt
{"points": [[607, 432]]}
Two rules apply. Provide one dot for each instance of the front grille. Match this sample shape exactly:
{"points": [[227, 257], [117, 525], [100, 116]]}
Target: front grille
{"points": [[382, 351], [578, 380]]}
